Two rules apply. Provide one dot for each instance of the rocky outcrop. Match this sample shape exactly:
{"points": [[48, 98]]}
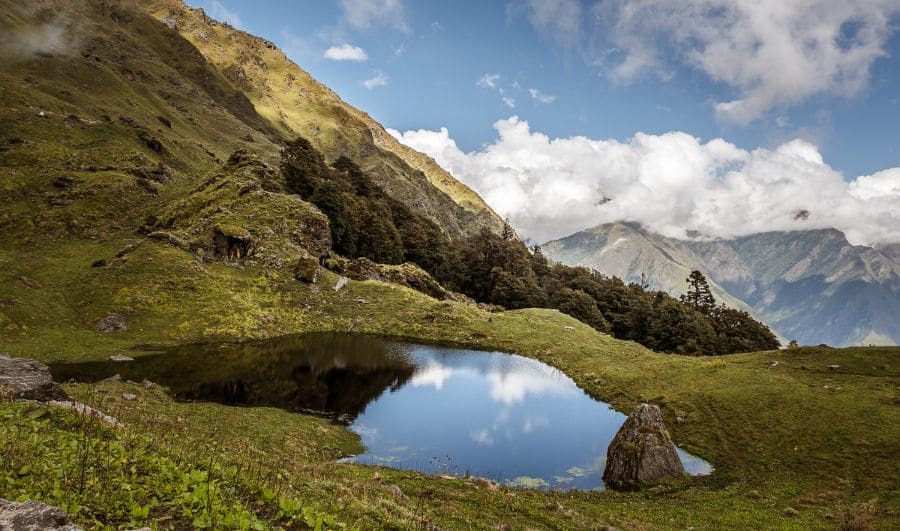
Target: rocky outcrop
{"points": [[407, 274], [111, 323], [34, 516], [642, 452], [26, 379]]}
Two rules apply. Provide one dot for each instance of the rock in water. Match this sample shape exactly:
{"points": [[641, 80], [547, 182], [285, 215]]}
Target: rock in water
{"points": [[642, 452], [34, 516], [26, 379]]}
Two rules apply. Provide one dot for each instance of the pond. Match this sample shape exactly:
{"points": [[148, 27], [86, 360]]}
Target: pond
{"points": [[426, 408]]}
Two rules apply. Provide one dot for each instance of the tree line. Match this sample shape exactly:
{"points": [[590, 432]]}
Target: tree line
{"points": [[499, 269]]}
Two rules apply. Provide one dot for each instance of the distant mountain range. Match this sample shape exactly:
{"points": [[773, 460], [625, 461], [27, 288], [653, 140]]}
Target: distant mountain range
{"points": [[810, 286]]}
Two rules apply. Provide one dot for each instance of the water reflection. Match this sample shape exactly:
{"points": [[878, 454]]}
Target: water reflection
{"points": [[432, 409]]}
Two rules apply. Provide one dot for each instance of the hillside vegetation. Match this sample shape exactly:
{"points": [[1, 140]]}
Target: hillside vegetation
{"points": [[140, 178]]}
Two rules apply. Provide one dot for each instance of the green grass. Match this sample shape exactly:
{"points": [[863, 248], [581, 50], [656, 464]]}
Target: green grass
{"points": [[794, 446], [795, 436]]}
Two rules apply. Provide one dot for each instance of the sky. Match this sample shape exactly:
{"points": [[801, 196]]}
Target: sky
{"points": [[711, 117]]}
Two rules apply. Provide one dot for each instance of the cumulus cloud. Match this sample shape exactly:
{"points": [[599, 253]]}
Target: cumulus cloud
{"points": [[773, 53], [539, 96], [379, 80], [365, 14], [671, 183], [346, 52], [221, 13]]}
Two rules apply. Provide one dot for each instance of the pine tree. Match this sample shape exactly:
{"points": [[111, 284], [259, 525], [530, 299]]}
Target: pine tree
{"points": [[698, 295]]}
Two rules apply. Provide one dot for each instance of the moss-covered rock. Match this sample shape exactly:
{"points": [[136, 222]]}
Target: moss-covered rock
{"points": [[240, 215]]}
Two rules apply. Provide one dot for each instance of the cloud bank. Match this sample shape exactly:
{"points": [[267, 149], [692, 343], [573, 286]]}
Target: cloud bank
{"points": [[772, 53], [671, 183]]}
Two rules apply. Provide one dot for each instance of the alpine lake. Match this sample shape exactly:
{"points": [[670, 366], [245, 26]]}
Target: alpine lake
{"points": [[432, 409]]}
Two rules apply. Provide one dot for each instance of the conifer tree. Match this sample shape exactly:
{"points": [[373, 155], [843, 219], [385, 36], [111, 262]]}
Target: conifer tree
{"points": [[698, 295]]}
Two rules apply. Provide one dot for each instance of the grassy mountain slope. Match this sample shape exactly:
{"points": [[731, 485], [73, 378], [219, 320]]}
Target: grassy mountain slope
{"points": [[297, 104], [76, 187]]}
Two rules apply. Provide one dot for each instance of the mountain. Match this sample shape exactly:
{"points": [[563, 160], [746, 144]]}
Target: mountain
{"points": [[98, 84], [811, 286]]}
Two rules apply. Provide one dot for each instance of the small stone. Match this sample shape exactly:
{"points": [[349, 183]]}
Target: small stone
{"points": [[773, 363], [120, 358], [568, 328], [339, 285], [833, 367], [790, 511], [129, 396], [33, 515], [111, 323], [114, 378], [307, 269], [148, 384], [27, 379]]}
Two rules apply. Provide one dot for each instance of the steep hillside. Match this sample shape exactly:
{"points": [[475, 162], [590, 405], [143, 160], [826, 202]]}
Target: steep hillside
{"points": [[297, 104], [810, 286]]}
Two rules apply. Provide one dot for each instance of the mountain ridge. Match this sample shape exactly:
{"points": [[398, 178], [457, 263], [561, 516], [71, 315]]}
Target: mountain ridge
{"points": [[812, 286]]}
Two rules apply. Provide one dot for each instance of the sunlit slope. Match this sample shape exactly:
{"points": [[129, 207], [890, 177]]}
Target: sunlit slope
{"points": [[297, 104]]}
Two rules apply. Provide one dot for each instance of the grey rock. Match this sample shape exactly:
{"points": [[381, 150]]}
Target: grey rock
{"points": [[111, 323], [339, 285], [129, 396], [82, 409], [120, 358], [114, 378], [27, 379], [34, 516], [148, 384], [642, 452]]}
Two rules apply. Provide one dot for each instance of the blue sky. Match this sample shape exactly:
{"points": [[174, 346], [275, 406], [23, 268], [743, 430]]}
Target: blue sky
{"points": [[609, 70]]}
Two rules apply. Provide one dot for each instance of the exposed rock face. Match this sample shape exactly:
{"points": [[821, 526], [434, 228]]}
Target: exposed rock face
{"points": [[34, 516], [111, 323], [641, 453], [27, 379]]}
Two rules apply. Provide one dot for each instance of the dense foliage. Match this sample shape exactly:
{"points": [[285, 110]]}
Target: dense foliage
{"points": [[499, 269]]}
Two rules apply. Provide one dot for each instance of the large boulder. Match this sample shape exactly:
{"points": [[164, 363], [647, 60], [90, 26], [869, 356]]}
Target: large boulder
{"points": [[34, 516], [642, 452], [26, 379]]}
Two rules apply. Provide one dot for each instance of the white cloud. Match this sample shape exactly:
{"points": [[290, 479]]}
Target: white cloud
{"points": [[346, 52], [223, 14], [432, 375], [560, 19], [365, 14], [379, 80], [670, 183], [509, 102], [488, 81], [541, 97], [773, 53]]}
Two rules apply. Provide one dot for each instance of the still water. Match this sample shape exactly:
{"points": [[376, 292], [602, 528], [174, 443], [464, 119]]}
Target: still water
{"points": [[432, 409]]}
